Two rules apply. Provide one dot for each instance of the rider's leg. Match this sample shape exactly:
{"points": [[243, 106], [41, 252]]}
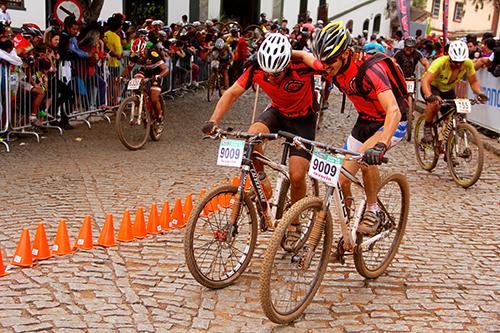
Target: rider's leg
{"points": [[298, 169], [155, 101], [258, 127]]}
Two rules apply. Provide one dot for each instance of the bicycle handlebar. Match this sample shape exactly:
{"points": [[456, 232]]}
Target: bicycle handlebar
{"points": [[326, 147], [244, 135], [452, 101]]}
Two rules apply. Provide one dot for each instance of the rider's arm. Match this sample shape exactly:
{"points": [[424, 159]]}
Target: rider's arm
{"points": [[475, 84], [225, 102], [307, 58], [426, 83], [425, 62], [164, 70], [127, 70], [392, 117]]}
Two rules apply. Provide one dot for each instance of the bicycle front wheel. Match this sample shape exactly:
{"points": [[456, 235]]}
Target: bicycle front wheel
{"points": [[372, 257], [132, 125], [426, 153], [216, 251], [289, 280], [465, 155]]}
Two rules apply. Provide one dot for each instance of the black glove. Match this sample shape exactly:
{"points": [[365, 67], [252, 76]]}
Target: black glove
{"points": [[482, 98], [374, 155], [431, 98], [209, 128]]}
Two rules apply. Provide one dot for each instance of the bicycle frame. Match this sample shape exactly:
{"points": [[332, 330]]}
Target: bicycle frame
{"points": [[143, 98]]}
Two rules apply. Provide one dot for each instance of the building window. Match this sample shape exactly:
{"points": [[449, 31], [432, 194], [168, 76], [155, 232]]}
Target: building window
{"points": [[435, 7], [15, 4], [376, 24], [349, 25], [366, 24], [459, 12]]}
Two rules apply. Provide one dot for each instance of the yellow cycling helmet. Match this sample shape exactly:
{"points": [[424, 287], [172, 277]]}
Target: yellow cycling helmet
{"points": [[331, 41]]}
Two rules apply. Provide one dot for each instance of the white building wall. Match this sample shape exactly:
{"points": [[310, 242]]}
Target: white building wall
{"points": [[178, 8], [291, 12], [312, 7], [110, 7], [34, 13], [266, 6], [359, 15], [213, 8]]}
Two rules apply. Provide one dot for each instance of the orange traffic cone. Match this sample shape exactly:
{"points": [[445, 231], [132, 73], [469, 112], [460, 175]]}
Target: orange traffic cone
{"points": [[126, 234], [41, 248], [61, 244], [84, 240], [2, 267], [188, 206], [22, 256], [107, 235], [154, 226], [165, 217], [177, 215], [139, 227]]}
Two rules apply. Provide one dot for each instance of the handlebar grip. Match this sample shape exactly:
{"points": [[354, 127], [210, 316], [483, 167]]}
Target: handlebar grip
{"points": [[270, 136], [286, 135]]}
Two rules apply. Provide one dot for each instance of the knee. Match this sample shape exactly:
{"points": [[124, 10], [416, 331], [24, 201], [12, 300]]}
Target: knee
{"points": [[297, 177]]}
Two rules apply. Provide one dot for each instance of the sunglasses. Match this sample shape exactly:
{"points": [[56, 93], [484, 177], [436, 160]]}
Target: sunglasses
{"points": [[275, 75], [457, 62]]}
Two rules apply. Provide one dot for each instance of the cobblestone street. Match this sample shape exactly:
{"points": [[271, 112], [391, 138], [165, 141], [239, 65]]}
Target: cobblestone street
{"points": [[445, 277]]}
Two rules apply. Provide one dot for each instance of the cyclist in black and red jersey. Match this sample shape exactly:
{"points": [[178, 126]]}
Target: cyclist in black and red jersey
{"points": [[409, 57], [151, 67], [291, 89], [376, 87]]}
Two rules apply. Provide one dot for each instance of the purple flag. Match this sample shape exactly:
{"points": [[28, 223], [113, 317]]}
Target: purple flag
{"points": [[404, 16]]}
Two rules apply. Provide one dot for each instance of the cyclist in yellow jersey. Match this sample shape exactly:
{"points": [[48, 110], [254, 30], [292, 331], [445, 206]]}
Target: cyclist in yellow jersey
{"points": [[442, 76]]}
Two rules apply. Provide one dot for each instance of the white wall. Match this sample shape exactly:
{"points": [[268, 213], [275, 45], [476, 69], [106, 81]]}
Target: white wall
{"points": [[213, 8], [110, 7], [178, 8], [266, 6], [34, 13], [291, 11], [312, 7], [359, 15]]}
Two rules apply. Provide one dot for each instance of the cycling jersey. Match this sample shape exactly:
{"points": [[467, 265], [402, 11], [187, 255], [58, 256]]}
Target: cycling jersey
{"points": [[293, 97], [442, 67], [149, 64], [408, 63], [222, 55], [375, 81]]}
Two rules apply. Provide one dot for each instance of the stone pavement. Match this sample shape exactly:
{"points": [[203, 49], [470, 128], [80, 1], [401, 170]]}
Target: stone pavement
{"points": [[444, 278]]}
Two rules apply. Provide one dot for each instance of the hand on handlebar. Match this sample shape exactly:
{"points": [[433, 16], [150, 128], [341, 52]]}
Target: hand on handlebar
{"points": [[434, 99], [375, 155], [482, 98]]}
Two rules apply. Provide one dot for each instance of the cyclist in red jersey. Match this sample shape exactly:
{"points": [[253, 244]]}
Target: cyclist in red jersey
{"points": [[291, 89], [381, 119]]}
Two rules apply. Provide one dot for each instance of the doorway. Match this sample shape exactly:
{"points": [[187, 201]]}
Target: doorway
{"points": [[245, 12]]}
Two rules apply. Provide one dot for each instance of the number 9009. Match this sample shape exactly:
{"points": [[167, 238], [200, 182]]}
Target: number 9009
{"points": [[324, 168], [229, 153]]}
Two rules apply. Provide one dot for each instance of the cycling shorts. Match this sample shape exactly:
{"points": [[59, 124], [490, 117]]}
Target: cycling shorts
{"points": [[152, 83], [365, 129], [443, 94], [304, 126]]}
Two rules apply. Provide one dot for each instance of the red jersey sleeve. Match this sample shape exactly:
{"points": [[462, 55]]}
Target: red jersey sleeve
{"points": [[243, 79], [377, 79]]}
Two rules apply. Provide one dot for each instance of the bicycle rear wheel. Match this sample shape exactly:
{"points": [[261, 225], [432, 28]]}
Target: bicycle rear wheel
{"points": [[157, 128], [289, 281], [465, 155], [132, 129], [394, 201], [216, 252], [426, 153]]}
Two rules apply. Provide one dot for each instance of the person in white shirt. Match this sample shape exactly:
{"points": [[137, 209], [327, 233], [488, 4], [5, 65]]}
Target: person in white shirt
{"points": [[4, 16]]}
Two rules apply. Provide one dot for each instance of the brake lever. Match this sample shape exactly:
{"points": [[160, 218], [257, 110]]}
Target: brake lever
{"points": [[298, 144]]}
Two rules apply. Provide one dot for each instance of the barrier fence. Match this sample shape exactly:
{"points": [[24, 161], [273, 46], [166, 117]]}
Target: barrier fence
{"points": [[35, 98]]}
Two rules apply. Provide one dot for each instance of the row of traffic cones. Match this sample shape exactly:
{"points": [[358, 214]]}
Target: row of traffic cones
{"points": [[26, 253]]}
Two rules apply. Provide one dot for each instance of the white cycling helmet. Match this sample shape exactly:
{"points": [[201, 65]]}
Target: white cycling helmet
{"points": [[275, 53], [458, 51], [219, 43]]}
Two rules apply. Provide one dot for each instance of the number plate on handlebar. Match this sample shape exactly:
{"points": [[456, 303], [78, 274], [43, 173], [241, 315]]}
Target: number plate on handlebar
{"points": [[134, 84], [410, 86], [325, 167], [463, 105], [230, 153]]}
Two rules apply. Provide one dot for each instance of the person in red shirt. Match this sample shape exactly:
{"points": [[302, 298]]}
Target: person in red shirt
{"points": [[381, 119], [293, 109]]}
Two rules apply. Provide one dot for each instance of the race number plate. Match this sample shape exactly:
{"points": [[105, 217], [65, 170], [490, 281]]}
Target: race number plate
{"points": [[463, 105], [230, 153], [325, 167], [410, 86], [134, 84]]}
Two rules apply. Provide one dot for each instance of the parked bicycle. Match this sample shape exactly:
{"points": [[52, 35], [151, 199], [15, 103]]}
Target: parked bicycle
{"points": [[215, 80], [289, 280], [221, 233], [456, 139], [411, 87], [135, 120]]}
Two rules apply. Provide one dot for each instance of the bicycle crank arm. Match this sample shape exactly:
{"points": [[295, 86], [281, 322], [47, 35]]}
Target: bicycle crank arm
{"points": [[373, 239]]}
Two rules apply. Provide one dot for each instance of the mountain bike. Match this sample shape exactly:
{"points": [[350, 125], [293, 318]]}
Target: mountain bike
{"points": [[221, 233], [411, 85], [134, 121], [289, 280], [215, 80], [456, 139]]}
